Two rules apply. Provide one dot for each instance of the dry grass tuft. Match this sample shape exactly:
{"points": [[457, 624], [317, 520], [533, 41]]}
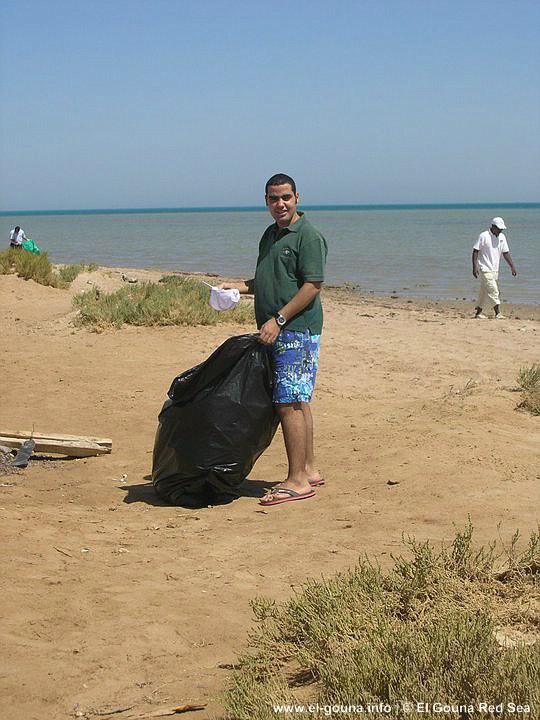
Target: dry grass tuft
{"points": [[173, 301], [440, 626], [68, 273], [30, 266], [529, 382]]}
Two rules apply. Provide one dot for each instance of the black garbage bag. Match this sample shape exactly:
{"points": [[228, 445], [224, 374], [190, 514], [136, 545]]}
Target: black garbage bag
{"points": [[218, 420]]}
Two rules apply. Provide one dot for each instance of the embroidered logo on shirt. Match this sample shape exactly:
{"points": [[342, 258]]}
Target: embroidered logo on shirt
{"points": [[286, 252]]}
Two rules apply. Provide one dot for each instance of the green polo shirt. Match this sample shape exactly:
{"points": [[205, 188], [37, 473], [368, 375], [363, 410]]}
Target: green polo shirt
{"points": [[288, 258]]}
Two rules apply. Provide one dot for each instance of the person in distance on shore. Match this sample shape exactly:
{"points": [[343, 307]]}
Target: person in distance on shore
{"points": [[287, 285], [486, 257], [17, 237]]}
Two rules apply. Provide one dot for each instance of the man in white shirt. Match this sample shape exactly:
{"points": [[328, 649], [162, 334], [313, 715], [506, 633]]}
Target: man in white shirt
{"points": [[17, 237], [486, 257]]}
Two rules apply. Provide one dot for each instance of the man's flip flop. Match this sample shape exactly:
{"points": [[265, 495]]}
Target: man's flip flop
{"points": [[316, 483], [288, 496]]}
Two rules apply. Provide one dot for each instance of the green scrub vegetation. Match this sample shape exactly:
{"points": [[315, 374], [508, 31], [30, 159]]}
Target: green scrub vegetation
{"points": [[173, 301], [529, 382], [68, 273], [456, 625], [39, 268]]}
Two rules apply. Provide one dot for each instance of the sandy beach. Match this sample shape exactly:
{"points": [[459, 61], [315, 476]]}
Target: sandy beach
{"points": [[115, 600]]}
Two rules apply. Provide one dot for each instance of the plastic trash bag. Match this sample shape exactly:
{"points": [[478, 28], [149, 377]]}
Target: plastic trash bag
{"points": [[224, 299], [24, 453], [31, 246], [218, 420]]}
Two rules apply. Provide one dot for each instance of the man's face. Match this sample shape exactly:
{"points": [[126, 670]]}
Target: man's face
{"points": [[495, 230], [282, 202]]}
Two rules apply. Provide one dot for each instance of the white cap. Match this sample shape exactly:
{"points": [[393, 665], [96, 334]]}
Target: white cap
{"points": [[499, 223], [224, 299]]}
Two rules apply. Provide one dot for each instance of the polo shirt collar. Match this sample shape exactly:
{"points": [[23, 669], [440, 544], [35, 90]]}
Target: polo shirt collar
{"points": [[295, 227]]}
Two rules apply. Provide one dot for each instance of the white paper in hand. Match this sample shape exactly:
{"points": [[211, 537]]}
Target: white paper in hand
{"points": [[224, 299]]}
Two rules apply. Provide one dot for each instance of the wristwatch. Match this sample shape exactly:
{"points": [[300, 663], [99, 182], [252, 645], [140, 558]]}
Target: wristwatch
{"points": [[281, 321]]}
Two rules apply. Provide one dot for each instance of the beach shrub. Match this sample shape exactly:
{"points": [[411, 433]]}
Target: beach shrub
{"points": [[176, 301], [38, 268], [440, 626], [30, 267], [68, 273], [6, 264], [529, 382]]}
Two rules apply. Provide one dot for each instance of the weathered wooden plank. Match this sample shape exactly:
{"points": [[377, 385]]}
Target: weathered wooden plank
{"points": [[26, 434], [73, 448]]}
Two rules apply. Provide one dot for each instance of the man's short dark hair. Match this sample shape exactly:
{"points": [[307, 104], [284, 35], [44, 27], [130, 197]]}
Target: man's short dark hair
{"points": [[280, 179]]}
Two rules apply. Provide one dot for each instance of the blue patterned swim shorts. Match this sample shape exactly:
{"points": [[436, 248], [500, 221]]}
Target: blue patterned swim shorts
{"points": [[295, 358]]}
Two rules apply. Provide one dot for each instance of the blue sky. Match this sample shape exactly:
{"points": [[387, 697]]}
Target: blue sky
{"points": [[169, 103]]}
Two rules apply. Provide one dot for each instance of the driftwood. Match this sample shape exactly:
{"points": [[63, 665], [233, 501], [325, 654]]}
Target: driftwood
{"points": [[170, 711], [163, 712], [72, 445]]}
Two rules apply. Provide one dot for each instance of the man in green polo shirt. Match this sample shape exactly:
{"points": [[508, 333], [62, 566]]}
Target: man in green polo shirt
{"points": [[288, 310]]}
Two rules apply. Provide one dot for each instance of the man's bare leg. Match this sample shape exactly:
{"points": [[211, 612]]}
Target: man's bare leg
{"points": [[310, 467], [295, 435]]}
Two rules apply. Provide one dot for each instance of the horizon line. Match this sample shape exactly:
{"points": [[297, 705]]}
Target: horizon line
{"points": [[259, 208]]}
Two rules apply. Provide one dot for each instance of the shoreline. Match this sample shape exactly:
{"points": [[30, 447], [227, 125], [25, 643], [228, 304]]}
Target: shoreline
{"points": [[344, 293], [362, 254], [462, 308]]}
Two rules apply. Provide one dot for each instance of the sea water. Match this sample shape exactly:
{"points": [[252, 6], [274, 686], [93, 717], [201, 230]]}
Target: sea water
{"points": [[411, 251]]}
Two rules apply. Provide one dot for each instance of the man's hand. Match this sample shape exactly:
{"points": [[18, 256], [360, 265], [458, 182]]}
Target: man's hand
{"points": [[514, 271], [244, 287], [268, 334], [475, 272]]}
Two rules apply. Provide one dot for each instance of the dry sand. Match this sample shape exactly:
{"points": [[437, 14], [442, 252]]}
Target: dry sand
{"points": [[113, 599]]}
